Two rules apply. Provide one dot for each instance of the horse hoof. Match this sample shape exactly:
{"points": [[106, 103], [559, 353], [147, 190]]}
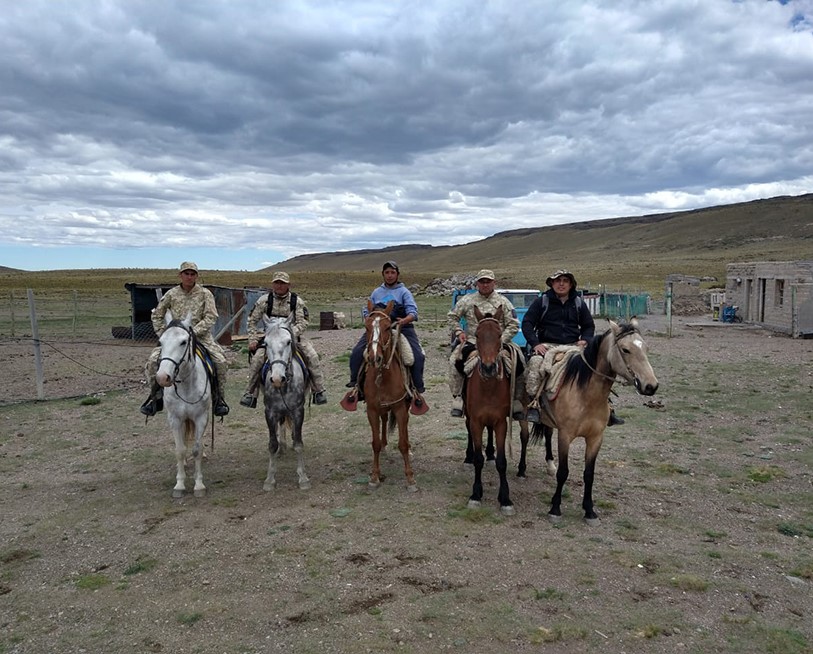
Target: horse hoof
{"points": [[592, 522], [507, 510], [551, 468], [269, 486], [200, 492], [177, 494], [412, 488], [304, 485], [373, 485], [554, 519], [473, 504]]}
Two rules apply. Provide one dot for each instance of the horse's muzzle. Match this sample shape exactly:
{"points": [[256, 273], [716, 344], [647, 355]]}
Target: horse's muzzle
{"points": [[488, 370], [645, 389], [163, 380]]}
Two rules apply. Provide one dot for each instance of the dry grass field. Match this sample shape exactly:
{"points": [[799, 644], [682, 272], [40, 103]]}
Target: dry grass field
{"points": [[704, 544]]}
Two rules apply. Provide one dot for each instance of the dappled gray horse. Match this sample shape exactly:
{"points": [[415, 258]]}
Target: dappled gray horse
{"points": [[285, 382]]}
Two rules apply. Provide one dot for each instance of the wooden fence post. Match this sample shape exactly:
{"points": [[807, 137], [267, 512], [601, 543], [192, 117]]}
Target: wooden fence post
{"points": [[35, 334]]}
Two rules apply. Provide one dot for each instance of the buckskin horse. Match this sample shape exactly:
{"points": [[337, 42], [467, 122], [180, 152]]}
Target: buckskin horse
{"points": [[284, 387], [580, 408], [187, 397], [487, 401], [386, 392]]}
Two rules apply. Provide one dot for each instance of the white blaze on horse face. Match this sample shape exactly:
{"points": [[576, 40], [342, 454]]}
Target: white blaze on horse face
{"points": [[376, 336], [638, 343]]}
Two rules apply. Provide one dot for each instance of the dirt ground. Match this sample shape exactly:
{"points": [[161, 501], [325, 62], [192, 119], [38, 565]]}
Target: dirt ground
{"points": [[704, 544]]}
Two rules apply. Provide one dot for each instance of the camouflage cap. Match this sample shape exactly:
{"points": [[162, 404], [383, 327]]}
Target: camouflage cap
{"points": [[390, 264], [561, 273], [280, 276], [485, 274], [188, 265]]}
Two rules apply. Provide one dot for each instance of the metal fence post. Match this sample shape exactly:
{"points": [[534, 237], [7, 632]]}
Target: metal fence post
{"points": [[35, 334]]}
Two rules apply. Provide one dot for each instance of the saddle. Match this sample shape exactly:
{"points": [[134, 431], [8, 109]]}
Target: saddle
{"points": [[545, 373], [208, 365]]}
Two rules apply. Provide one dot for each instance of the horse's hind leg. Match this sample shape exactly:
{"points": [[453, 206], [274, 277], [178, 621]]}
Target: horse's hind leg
{"points": [[550, 464], [524, 435], [476, 498], [299, 448], [403, 447]]}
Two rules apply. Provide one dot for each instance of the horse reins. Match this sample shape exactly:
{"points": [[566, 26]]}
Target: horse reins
{"points": [[188, 355], [624, 381], [396, 331]]}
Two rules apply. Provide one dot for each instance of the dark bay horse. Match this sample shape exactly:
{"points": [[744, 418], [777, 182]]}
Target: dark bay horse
{"points": [[385, 392], [580, 407], [487, 400]]}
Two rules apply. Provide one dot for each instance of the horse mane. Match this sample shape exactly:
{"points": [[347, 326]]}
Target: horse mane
{"points": [[580, 368]]}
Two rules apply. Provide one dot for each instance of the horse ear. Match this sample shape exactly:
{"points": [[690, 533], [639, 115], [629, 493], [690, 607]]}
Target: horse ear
{"points": [[266, 321], [498, 314], [388, 308], [187, 322], [167, 317], [478, 314], [614, 326], [634, 322], [370, 306]]}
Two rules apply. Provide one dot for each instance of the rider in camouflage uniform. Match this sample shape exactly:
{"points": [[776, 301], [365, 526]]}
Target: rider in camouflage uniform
{"points": [[281, 297], [487, 300], [180, 300]]}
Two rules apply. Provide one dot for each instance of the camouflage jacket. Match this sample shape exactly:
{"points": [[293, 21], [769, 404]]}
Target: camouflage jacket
{"points": [[281, 308], [199, 301], [464, 309]]}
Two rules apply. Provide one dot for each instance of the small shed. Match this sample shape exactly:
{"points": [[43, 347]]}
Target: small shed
{"points": [[777, 295], [233, 306]]}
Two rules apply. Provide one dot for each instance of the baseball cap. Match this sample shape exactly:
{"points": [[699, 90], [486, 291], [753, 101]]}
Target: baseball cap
{"points": [[390, 264], [280, 276], [561, 273], [485, 274], [188, 265]]}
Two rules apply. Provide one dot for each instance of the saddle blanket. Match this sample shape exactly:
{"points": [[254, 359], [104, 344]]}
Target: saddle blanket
{"points": [[545, 373]]}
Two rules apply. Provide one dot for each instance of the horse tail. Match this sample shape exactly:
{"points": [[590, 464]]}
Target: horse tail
{"points": [[538, 434], [189, 432]]}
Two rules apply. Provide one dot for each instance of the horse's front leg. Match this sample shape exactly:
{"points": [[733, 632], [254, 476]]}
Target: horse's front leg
{"points": [[273, 453], [555, 513], [469, 460], [377, 424], [503, 495], [590, 455], [197, 453], [180, 462], [402, 417], [476, 431], [299, 448]]}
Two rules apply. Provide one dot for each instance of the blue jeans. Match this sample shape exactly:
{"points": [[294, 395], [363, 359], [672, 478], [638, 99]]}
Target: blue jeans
{"points": [[357, 357]]}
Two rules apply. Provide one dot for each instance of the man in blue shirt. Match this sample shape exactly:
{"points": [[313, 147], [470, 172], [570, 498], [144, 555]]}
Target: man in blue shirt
{"points": [[405, 313]]}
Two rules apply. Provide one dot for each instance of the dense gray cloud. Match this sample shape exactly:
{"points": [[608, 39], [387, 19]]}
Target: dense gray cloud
{"points": [[308, 126]]}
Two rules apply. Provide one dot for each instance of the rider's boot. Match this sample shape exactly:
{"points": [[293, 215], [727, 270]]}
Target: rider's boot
{"points": [[320, 396], [457, 407], [155, 402], [220, 406], [249, 400]]}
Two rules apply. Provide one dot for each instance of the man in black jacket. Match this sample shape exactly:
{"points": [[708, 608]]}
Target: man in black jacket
{"points": [[559, 317]]}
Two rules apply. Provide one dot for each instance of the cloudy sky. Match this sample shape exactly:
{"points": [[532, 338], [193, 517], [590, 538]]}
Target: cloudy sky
{"points": [[239, 134]]}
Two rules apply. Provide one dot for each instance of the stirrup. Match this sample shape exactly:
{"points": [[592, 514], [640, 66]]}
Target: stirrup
{"points": [[249, 400], [532, 415], [221, 409], [320, 397]]}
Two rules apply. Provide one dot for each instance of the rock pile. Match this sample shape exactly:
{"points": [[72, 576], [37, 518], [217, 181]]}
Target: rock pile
{"points": [[445, 286]]}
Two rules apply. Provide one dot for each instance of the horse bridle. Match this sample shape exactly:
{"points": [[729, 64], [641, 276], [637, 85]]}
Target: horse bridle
{"points": [[499, 358], [624, 381], [395, 328], [287, 363], [188, 355]]}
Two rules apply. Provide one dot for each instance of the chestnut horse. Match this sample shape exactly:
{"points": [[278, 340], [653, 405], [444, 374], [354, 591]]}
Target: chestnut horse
{"points": [[385, 391], [487, 400], [580, 408]]}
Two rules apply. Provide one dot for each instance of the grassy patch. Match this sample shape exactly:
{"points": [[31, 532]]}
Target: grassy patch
{"points": [[764, 474], [189, 619], [141, 565], [689, 583], [92, 582]]}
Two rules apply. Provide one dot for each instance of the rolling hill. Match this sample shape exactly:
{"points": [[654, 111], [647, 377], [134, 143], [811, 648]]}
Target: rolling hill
{"points": [[632, 253]]}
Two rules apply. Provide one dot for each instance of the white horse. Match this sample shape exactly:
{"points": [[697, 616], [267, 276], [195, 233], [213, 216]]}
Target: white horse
{"points": [[284, 397], [187, 397]]}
